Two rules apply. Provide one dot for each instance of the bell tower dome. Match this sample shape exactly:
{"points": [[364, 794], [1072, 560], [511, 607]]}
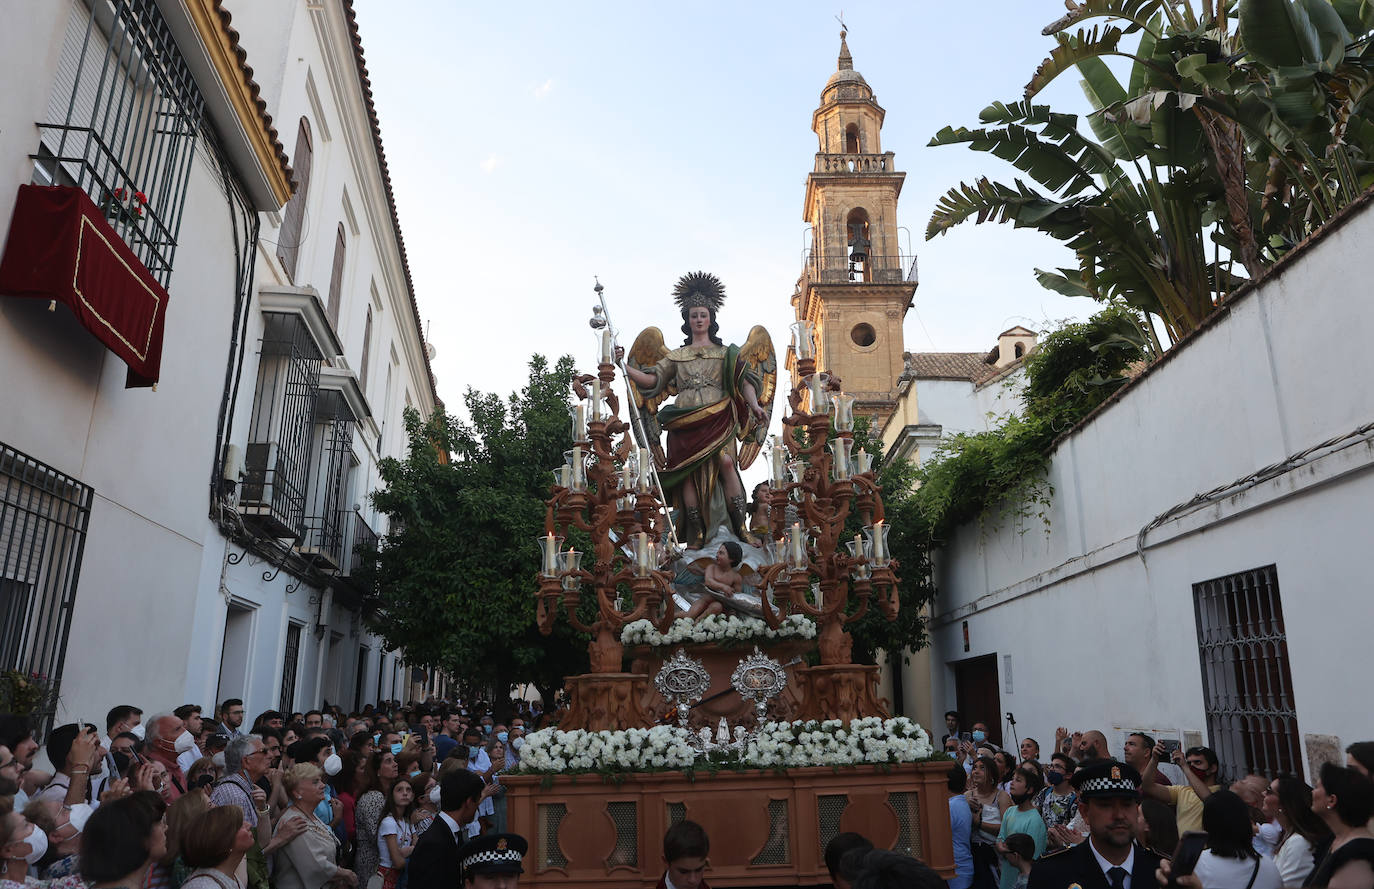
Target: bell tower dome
{"points": [[855, 285]]}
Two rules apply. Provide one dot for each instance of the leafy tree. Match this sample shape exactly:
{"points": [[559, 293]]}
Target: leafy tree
{"points": [[456, 575]]}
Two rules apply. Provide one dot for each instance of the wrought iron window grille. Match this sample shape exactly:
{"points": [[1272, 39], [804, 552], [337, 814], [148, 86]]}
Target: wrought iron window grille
{"points": [[123, 122], [277, 459], [44, 516], [331, 460], [1252, 719]]}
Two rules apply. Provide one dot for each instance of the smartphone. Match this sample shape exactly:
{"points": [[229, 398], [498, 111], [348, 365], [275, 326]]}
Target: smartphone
{"points": [[1190, 847], [423, 736]]}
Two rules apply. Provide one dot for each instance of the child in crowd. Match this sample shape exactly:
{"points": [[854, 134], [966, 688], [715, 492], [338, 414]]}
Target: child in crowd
{"points": [[685, 847]]}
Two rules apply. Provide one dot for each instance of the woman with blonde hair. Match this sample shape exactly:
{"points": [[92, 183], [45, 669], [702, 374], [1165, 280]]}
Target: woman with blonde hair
{"points": [[214, 844], [180, 815], [308, 860]]}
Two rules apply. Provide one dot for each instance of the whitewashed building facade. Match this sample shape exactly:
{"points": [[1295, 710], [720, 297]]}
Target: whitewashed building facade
{"points": [[1202, 577], [142, 529]]}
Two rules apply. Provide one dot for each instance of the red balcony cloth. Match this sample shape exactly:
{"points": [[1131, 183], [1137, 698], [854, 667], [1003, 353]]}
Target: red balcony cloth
{"points": [[62, 248]]}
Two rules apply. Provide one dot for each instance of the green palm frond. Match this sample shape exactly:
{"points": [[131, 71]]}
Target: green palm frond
{"points": [[988, 201], [1140, 13], [1072, 49]]}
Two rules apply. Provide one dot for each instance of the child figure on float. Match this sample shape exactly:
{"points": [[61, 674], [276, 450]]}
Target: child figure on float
{"points": [[724, 396]]}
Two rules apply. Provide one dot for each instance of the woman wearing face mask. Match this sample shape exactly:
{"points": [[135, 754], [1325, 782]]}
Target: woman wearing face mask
{"points": [[24, 844], [496, 752], [367, 816], [214, 846], [987, 804], [122, 840], [426, 805]]}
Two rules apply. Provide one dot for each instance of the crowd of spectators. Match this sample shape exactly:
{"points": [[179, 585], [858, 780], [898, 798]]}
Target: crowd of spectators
{"points": [[1008, 811], [185, 797]]}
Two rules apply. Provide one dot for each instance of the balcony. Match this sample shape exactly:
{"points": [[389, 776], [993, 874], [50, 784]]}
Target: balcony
{"points": [[835, 268], [855, 163]]}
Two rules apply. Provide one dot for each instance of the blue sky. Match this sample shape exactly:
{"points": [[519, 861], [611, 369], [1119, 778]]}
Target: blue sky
{"points": [[535, 145]]}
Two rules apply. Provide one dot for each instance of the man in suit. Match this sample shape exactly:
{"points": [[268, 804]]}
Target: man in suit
{"points": [[434, 863], [1109, 799]]}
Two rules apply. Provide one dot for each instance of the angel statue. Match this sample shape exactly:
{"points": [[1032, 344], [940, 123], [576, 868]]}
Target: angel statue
{"points": [[724, 397]]}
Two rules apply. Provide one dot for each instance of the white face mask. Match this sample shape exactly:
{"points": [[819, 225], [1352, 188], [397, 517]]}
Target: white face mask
{"points": [[184, 742], [38, 845], [137, 731], [434, 795], [333, 764], [79, 815], [517, 743]]}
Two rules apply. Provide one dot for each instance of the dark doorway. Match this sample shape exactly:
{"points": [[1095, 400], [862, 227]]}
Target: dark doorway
{"points": [[976, 695]]}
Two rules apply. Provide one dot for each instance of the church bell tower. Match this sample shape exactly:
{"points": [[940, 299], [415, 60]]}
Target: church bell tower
{"points": [[855, 285]]}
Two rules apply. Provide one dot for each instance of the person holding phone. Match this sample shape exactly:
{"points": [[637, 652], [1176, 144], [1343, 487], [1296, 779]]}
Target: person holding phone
{"points": [[1109, 801]]}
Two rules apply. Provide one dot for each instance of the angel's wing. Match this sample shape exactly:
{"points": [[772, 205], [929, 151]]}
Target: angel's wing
{"points": [[648, 351], [757, 356]]}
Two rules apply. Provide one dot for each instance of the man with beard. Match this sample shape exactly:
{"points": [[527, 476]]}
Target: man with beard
{"points": [[1109, 800]]}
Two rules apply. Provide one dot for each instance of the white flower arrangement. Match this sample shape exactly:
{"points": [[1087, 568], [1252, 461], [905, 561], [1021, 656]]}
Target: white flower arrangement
{"points": [[777, 745], [718, 628]]}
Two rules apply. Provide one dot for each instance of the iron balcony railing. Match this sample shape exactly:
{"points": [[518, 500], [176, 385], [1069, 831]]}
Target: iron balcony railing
{"points": [[324, 531], [277, 459], [366, 542], [836, 268], [855, 163]]}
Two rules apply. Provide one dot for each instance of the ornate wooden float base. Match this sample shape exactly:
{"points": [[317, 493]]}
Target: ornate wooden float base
{"points": [[766, 828]]}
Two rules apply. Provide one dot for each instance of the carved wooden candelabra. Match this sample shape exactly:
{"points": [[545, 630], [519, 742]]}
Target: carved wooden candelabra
{"points": [[605, 489], [814, 574]]}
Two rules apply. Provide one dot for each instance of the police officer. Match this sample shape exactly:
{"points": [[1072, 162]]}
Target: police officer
{"points": [[494, 861], [1109, 800]]}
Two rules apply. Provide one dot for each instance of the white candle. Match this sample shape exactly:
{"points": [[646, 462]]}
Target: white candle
{"points": [[879, 548], [550, 556], [579, 470], [607, 346], [579, 422], [778, 465], [863, 461], [798, 545], [643, 483], [642, 552], [627, 477]]}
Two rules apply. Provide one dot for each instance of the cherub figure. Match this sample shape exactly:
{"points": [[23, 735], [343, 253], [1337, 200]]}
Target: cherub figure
{"points": [[723, 577]]}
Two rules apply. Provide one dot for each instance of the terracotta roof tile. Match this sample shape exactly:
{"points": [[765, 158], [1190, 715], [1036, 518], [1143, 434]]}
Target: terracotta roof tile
{"points": [[971, 366], [366, 83], [284, 159]]}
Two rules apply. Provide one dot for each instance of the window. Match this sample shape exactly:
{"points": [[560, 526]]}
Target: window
{"points": [[43, 519], [122, 123], [1251, 717], [331, 465], [863, 335], [367, 350], [851, 139], [1020, 350], [292, 658], [277, 459], [293, 224], [336, 278]]}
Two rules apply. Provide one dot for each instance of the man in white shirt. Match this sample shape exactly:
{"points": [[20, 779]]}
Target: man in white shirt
{"points": [[480, 764], [188, 753]]}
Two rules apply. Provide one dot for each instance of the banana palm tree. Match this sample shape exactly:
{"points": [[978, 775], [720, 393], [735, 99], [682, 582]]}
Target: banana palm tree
{"points": [[1240, 129]]}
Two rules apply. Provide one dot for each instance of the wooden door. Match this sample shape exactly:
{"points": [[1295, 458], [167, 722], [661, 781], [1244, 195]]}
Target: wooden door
{"points": [[977, 696]]}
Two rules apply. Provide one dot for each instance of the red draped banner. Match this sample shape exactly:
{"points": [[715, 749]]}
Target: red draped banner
{"points": [[62, 248]]}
